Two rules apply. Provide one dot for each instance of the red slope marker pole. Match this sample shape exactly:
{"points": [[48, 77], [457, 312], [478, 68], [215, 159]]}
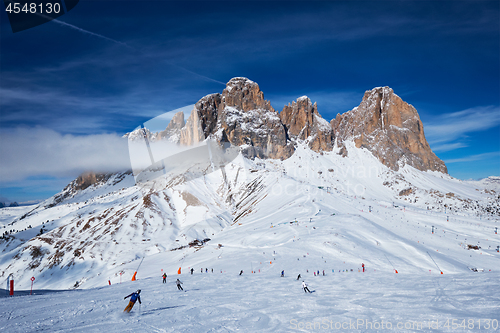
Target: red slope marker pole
{"points": [[32, 280]]}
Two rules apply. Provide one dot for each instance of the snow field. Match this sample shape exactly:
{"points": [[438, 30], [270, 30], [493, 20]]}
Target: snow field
{"points": [[226, 302]]}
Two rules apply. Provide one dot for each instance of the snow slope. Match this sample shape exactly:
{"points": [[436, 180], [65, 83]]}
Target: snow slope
{"points": [[311, 212], [264, 302], [247, 206]]}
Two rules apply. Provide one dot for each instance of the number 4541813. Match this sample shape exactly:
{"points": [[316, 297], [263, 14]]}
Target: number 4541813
{"points": [[33, 8]]}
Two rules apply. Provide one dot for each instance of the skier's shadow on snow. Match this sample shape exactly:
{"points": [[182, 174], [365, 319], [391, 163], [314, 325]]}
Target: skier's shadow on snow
{"points": [[159, 309]]}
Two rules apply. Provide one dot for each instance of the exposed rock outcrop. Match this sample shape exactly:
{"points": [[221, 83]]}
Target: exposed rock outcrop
{"points": [[173, 130], [383, 123], [303, 122], [248, 120], [241, 116], [390, 129], [192, 132]]}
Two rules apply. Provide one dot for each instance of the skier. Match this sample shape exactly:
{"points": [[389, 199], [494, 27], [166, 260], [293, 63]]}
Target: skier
{"points": [[164, 277], [363, 265], [305, 287], [192, 270], [178, 283], [133, 298], [241, 272], [314, 273], [298, 277], [212, 270], [201, 270], [206, 270], [323, 272], [283, 273], [318, 272]]}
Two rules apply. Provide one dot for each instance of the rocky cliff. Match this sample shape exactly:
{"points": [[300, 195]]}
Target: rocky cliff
{"points": [[241, 116], [303, 122], [390, 129], [383, 123]]}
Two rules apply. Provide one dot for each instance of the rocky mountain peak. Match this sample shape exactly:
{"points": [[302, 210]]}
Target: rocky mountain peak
{"points": [[302, 120], [173, 129], [245, 95], [390, 128], [383, 123]]}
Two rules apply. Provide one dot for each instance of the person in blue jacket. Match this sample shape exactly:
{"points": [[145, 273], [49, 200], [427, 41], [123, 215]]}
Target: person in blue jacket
{"points": [[133, 298]]}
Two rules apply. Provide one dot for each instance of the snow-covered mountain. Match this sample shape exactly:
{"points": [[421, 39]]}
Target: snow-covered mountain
{"points": [[300, 194]]}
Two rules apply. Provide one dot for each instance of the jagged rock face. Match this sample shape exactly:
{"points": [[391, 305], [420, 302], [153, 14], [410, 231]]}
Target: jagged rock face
{"points": [[208, 109], [172, 132], [192, 132], [90, 178], [241, 116], [303, 122], [173, 129], [390, 128], [383, 123], [244, 94], [250, 121]]}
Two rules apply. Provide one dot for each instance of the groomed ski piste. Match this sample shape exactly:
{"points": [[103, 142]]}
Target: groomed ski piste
{"points": [[422, 272]]}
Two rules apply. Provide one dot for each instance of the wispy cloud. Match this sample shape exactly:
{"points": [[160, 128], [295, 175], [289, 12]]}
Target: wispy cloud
{"points": [[35, 152], [448, 146], [472, 158], [448, 131]]}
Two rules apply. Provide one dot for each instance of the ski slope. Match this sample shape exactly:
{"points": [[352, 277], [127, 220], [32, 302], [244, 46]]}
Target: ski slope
{"points": [[265, 302], [311, 212]]}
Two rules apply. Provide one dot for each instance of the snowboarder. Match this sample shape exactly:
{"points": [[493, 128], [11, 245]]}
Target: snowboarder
{"points": [[164, 277], [178, 283], [133, 298], [298, 277], [241, 272], [305, 287], [192, 270], [283, 273]]}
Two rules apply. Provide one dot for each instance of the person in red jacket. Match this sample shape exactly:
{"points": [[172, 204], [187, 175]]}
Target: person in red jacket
{"points": [[133, 298]]}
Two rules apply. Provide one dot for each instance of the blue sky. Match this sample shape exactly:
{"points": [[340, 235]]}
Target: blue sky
{"points": [[68, 89]]}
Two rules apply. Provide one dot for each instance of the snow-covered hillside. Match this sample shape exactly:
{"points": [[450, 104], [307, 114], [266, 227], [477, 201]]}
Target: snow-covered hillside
{"points": [[314, 212], [317, 211]]}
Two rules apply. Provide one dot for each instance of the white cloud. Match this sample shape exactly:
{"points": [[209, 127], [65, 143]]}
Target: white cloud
{"points": [[452, 126], [450, 131], [448, 146], [32, 152], [472, 158]]}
